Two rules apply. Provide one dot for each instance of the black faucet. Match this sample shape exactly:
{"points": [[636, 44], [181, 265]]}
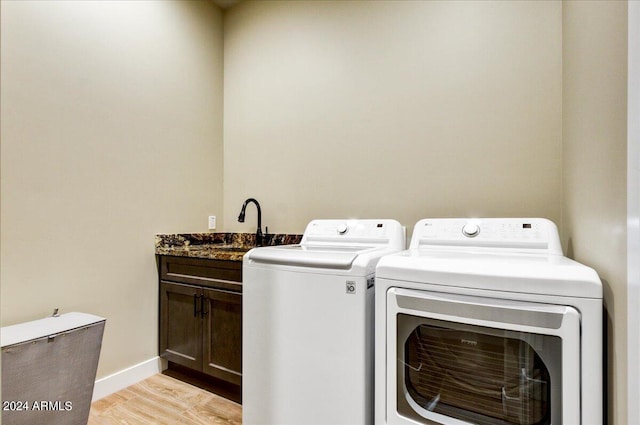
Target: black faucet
{"points": [[241, 219]]}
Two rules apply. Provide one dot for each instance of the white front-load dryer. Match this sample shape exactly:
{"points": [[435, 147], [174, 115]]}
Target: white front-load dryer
{"points": [[486, 322], [308, 313]]}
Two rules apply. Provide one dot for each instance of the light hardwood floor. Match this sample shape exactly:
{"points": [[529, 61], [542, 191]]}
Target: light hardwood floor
{"points": [[161, 399]]}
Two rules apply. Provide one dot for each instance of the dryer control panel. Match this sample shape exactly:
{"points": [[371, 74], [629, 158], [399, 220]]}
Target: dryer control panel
{"points": [[526, 234]]}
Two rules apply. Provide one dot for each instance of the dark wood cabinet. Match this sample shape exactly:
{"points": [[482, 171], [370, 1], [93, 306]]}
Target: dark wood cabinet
{"points": [[222, 335], [201, 322], [180, 324]]}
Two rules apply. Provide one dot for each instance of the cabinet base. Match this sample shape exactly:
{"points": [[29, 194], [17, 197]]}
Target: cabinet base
{"points": [[224, 389]]}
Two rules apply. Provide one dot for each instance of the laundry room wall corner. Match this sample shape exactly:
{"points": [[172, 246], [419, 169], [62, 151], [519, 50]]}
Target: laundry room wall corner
{"points": [[594, 152], [633, 212]]}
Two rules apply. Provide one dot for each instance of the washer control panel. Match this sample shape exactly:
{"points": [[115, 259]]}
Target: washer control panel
{"points": [[382, 231], [535, 234], [350, 228], [470, 230]]}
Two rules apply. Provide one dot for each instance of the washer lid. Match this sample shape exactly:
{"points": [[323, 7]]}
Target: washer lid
{"points": [[519, 273], [324, 256]]}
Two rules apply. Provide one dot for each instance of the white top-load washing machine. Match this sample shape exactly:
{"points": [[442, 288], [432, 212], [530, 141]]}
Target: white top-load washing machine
{"points": [[486, 322], [308, 312]]}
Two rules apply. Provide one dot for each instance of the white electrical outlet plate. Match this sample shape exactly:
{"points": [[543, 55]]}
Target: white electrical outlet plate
{"points": [[212, 222]]}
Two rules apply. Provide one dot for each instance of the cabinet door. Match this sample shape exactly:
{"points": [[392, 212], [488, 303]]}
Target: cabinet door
{"points": [[222, 312], [181, 324]]}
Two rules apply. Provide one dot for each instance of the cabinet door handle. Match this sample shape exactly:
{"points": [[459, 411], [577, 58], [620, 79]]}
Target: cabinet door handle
{"points": [[203, 310], [195, 305]]}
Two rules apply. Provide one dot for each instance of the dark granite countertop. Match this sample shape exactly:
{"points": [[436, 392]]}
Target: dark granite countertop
{"points": [[216, 246]]}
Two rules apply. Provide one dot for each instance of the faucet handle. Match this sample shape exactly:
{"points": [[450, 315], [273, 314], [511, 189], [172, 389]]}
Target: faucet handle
{"points": [[267, 237]]}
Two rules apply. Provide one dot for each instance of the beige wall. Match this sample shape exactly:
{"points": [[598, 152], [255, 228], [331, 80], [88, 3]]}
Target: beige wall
{"points": [[111, 132], [392, 109], [594, 164], [633, 213]]}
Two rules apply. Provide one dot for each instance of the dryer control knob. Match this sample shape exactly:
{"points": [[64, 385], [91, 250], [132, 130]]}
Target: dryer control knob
{"points": [[470, 230], [342, 228]]}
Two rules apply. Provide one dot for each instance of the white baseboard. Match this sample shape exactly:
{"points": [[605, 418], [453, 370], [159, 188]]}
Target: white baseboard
{"points": [[126, 377]]}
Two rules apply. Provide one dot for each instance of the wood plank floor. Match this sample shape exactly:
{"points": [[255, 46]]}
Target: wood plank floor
{"points": [[161, 399]]}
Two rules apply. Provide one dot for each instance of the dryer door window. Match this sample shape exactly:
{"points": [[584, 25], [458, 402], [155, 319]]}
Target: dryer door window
{"points": [[457, 359], [477, 374]]}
